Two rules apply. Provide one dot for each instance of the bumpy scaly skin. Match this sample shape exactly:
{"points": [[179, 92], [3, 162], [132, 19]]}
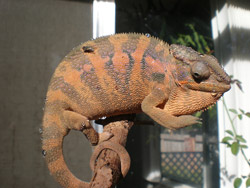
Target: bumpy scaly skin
{"points": [[121, 74]]}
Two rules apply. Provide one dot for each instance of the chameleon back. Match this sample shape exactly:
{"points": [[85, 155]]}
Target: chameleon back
{"points": [[110, 75]]}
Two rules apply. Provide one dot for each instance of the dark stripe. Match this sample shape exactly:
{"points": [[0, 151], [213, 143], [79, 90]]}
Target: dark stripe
{"points": [[150, 51], [58, 83], [105, 48], [122, 79], [91, 80], [129, 68], [76, 57], [53, 154], [51, 132], [129, 47], [131, 44], [158, 77], [146, 71], [79, 63], [89, 77], [117, 76]]}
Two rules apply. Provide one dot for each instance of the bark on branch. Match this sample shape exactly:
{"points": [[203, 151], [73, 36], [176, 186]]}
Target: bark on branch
{"points": [[107, 166]]}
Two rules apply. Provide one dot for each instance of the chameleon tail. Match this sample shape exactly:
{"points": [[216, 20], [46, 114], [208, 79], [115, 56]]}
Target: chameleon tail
{"points": [[52, 144]]}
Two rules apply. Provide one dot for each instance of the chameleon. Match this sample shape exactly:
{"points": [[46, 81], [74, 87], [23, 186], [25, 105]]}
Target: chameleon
{"points": [[122, 74]]}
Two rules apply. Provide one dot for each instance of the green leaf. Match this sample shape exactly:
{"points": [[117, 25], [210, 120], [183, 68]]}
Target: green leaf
{"points": [[181, 41], [235, 148], [242, 111], [247, 114], [243, 146], [233, 110], [248, 182], [230, 132], [239, 85], [229, 145], [189, 40], [240, 116], [240, 138], [237, 182], [226, 139]]}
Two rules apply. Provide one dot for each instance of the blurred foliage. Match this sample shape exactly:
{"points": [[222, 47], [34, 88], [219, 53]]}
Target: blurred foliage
{"points": [[194, 40], [165, 19]]}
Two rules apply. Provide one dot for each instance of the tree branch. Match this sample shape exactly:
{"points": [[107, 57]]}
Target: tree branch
{"points": [[107, 167]]}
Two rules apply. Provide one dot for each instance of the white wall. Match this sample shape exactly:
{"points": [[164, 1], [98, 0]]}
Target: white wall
{"points": [[231, 33]]}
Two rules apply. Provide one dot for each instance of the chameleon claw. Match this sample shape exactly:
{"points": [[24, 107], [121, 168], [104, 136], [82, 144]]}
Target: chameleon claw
{"points": [[83, 127], [119, 149]]}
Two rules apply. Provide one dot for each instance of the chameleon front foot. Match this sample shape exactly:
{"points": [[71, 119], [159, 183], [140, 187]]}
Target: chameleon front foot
{"points": [[163, 116]]}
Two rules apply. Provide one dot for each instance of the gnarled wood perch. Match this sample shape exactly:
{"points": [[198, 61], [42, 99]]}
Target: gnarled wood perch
{"points": [[110, 160]]}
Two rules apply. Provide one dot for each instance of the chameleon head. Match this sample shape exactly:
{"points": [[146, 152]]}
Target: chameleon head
{"points": [[200, 81]]}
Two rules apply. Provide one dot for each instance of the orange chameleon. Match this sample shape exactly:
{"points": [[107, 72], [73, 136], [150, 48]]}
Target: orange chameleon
{"points": [[122, 74]]}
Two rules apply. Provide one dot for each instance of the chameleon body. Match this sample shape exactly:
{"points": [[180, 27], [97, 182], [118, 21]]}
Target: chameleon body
{"points": [[122, 74]]}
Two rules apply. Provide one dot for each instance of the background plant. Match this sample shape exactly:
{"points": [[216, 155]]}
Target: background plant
{"points": [[236, 142]]}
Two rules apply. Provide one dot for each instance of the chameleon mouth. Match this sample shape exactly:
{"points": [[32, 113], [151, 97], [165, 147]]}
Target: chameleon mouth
{"points": [[206, 86], [210, 87]]}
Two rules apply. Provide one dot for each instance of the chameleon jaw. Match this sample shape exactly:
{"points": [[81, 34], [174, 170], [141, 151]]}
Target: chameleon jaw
{"points": [[182, 102], [216, 97]]}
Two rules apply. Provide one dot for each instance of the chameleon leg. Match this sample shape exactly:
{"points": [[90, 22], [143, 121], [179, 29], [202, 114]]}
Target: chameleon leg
{"points": [[161, 116], [78, 122]]}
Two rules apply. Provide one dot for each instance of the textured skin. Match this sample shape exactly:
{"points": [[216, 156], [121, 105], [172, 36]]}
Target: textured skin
{"points": [[122, 74]]}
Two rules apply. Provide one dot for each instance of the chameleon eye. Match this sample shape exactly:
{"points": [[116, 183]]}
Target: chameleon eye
{"points": [[200, 71]]}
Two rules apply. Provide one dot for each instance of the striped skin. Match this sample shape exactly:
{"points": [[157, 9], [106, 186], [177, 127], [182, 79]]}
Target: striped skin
{"points": [[122, 74]]}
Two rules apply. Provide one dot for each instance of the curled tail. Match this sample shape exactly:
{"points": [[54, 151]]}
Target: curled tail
{"points": [[52, 144]]}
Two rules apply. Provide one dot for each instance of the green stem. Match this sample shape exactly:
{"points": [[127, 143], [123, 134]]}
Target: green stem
{"points": [[245, 157], [234, 130], [230, 119]]}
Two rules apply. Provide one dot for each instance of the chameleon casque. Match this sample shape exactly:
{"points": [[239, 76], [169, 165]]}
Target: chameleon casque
{"points": [[122, 74]]}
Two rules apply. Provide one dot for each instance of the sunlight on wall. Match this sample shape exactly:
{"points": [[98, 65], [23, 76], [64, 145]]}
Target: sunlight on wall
{"points": [[230, 16], [240, 18], [103, 18], [231, 27], [103, 24]]}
